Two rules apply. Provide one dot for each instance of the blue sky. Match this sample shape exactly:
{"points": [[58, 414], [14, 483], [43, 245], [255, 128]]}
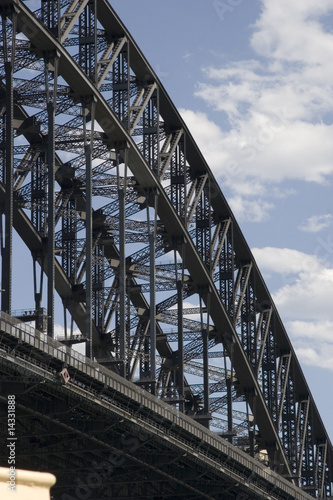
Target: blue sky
{"points": [[254, 82]]}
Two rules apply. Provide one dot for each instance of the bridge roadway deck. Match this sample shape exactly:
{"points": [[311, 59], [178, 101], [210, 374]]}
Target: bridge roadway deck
{"points": [[104, 437]]}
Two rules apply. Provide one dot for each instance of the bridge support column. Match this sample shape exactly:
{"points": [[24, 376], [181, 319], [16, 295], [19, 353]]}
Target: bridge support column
{"points": [[152, 287], [51, 71], [229, 376], [180, 326], [205, 338], [7, 237], [38, 291], [122, 184], [88, 107]]}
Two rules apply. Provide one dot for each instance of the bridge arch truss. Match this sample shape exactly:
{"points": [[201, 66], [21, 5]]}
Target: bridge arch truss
{"points": [[103, 182]]}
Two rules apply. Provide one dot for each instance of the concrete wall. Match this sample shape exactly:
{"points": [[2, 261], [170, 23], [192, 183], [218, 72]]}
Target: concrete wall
{"points": [[25, 485]]}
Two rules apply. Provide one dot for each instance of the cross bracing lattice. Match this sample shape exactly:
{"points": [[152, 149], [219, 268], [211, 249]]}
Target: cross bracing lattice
{"points": [[104, 184]]}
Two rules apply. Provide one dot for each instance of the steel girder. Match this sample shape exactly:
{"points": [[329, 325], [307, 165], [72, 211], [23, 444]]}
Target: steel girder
{"points": [[103, 436], [101, 178]]}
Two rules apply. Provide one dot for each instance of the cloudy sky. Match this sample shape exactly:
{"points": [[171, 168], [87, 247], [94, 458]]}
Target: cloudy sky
{"points": [[253, 80]]}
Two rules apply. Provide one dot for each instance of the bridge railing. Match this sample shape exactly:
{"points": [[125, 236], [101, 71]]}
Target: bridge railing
{"points": [[183, 431]]}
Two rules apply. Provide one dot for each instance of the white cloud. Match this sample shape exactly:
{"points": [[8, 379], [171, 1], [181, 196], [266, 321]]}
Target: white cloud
{"points": [[279, 107], [255, 210], [319, 330], [59, 331], [272, 146], [320, 358], [291, 31], [286, 261], [306, 286], [267, 90], [308, 297], [253, 159], [219, 150], [318, 353], [210, 138], [316, 223], [303, 300]]}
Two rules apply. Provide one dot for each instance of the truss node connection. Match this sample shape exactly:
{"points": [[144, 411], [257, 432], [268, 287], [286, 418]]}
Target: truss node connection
{"points": [[133, 248]]}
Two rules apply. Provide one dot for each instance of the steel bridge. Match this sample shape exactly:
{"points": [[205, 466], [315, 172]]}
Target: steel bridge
{"points": [[189, 387]]}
